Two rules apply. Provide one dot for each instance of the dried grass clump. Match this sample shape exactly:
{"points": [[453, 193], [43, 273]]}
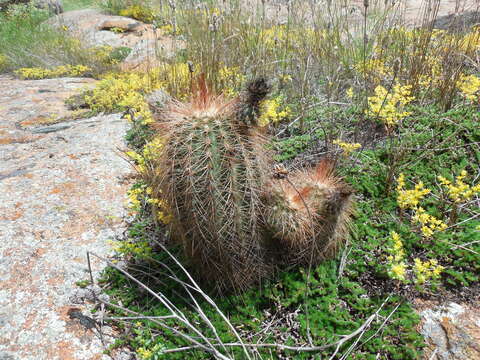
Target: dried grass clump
{"points": [[235, 223]]}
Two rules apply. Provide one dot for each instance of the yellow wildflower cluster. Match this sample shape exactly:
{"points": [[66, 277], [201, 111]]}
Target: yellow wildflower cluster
{"points": [[144, 163], [398, 267], [138, 12], [126, 90], [230, 80], [429, 224], [160, 207], [427, 270], [274, 36], [167, 29], [469, 86], [397, 264], [134, 198], [104, 54], [347, 148], [150, 152], [36, 73], [432, 72], [374, 69], [471, 41], [137, 248], [144, 354], [387, 106], [3, 62], [123, 91], [459, 191], [271, 111], [409, 199]]}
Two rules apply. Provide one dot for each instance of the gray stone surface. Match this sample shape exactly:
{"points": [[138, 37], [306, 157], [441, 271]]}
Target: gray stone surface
{"points": [[452, 332], [61, 193]]}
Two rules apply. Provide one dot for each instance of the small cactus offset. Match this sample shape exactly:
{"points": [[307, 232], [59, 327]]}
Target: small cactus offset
{"points": [[307, 214], [211, 172]]}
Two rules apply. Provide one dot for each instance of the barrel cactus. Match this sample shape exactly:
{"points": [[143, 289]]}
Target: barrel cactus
{"points": [[211, 171], [236, 217], [307, 214]]}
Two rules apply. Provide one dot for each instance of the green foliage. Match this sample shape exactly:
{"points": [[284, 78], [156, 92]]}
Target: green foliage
{"points": [[70, 5], [337, 305], [290, 147], [137, 9], [29, 42]]}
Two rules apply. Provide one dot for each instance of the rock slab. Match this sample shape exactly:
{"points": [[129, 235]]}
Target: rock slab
{"points": [[62, 192], [149, 45], [452, 331]]}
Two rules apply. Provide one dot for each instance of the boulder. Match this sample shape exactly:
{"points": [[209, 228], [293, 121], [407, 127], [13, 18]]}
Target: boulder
{"points": [[54, 6], [62, 192], [97, 29], [452, 331], [458, 22]]}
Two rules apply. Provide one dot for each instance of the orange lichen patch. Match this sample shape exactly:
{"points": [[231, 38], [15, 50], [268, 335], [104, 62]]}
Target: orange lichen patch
{"points": [[55, 281], [73, 157], [65, 188], [29, 321], [16, 140], [39, 120], [13, 216], [18, 213], [62, 350], [39, 252]]}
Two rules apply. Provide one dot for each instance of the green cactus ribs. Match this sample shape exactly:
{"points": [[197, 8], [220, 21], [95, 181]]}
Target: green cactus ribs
{"points": [[211, 178]]}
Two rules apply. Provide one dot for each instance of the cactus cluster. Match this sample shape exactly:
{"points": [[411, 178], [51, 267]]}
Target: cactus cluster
{"points": [[236, 222]]}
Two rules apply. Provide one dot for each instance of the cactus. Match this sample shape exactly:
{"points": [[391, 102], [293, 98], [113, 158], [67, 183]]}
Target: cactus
{"points": [[307, 214], [237, 224], [212, 167]]}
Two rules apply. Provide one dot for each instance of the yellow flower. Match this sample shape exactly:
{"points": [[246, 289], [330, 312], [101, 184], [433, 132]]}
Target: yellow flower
{"points": [[231, 79], [459, 191], [469, 86], [138, 12], [144, 354], [375, 69], [427, 270], [347, 148], [430, 224], [270, 112], [387, 106], [36, 73], [398, 271], [397, 265], [409, 199], [350, 93]]}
